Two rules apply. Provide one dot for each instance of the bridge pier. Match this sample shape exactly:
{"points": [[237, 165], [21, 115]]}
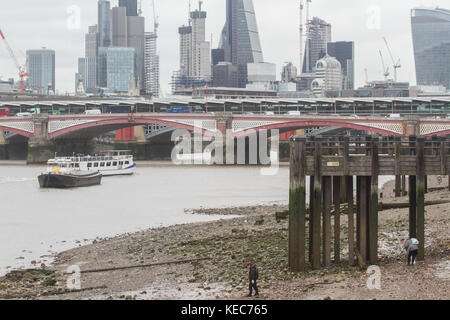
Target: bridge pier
{"points": [[40, 150], [3, 147]]}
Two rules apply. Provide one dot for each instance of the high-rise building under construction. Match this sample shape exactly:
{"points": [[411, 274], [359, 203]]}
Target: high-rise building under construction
{"points": [[318, 36]]}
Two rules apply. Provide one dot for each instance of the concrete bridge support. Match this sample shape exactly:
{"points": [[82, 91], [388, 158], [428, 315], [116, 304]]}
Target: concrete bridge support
{"points": [[40, 147]]}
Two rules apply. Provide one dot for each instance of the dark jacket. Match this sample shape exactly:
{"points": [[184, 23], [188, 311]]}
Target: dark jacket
{"points": [[253, 273]]}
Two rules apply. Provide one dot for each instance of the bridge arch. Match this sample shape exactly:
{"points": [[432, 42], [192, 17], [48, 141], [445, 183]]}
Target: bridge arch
{"points": [[20, 132], [375, 127], [99, 126]]}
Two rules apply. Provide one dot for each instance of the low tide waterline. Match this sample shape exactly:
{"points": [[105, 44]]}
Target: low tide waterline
{"points": [[37, 223]]}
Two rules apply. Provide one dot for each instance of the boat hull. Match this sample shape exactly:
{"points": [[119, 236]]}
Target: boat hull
{"points": [[50, 180], [119, 172]]}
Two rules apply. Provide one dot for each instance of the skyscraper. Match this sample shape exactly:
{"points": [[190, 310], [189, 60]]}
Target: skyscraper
{"points": [[91, 53], [240, 37], [128, 31], [289, 73], [318, 36], [344, 52], [151, 65], [118, 66], [136, 39], [195, 52], [200, 48], [431, 39], [104, 23], [119, 27], [131, 7], [41, 67], [81, 74], [185, 33]]}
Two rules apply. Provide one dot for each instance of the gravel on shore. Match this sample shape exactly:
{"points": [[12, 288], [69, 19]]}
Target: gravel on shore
{"points": [[257, 234]]}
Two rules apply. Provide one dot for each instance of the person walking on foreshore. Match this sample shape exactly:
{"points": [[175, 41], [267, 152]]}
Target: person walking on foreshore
{"points": [[411, 246], [252, 278]]}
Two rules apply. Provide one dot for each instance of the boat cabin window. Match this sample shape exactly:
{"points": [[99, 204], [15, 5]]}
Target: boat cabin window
{"points": [[95, 164], [120, 163], [102, 164], [108, 164], [77, 165], [127, 162], [89, 165], [114, 163]]}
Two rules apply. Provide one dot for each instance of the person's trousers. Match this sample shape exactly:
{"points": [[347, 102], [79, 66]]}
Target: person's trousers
{"points": [[412, 256], [252, 286]]}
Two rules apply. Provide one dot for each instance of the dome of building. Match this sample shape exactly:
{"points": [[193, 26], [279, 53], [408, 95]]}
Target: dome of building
{"points": [[317, 83], [328, 62]]}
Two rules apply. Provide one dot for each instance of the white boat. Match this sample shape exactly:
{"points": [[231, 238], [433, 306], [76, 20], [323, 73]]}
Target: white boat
{"points": [[108, 163]]}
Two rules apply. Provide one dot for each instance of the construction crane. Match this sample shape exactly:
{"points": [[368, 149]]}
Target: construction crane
{"points": [[386, 72], [22, 68], [155, 18], [396, 65], [140, 8]]}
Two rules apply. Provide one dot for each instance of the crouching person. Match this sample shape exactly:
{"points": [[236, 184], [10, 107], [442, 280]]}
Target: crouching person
{"points": [[412, 248]]}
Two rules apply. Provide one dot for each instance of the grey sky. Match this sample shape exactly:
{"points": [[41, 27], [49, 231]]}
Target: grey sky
{"points": [[35, 24]]}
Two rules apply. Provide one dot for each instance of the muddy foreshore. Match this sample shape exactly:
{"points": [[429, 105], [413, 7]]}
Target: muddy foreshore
{"points": [[213, 257]]}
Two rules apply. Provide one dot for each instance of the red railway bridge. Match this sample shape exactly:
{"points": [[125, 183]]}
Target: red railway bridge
{"points": [[43, 129]]}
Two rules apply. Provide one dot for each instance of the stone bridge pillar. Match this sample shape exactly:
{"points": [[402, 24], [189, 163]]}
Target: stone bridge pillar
{"points": [[412, 127], [40, 147], [3, 147], [224, 122]]}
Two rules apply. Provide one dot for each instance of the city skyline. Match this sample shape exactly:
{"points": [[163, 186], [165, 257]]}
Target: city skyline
{"points": [[51, 26]]}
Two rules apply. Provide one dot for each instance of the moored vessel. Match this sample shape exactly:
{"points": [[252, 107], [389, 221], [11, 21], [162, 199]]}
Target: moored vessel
{"points": [[108, 163], [73, 179]]}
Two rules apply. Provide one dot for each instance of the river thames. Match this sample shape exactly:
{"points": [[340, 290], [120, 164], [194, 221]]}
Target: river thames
{"points": [[36, 223]]}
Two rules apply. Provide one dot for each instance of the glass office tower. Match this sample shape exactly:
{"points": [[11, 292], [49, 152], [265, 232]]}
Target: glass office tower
{"points": [[41, 67], [117, 68], [240, 37], [431, 39]]}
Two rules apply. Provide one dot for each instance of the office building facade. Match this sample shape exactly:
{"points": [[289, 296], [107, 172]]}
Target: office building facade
{"points": [[131, 7], [318, 36], [195, 53], [344, 52], [151, 65], [200, 56], [225, 74], [289, 73], [91, 53], [240, 37], [328, 72], [431, 40], [41, 68], [104, 24], [118, 68]]}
